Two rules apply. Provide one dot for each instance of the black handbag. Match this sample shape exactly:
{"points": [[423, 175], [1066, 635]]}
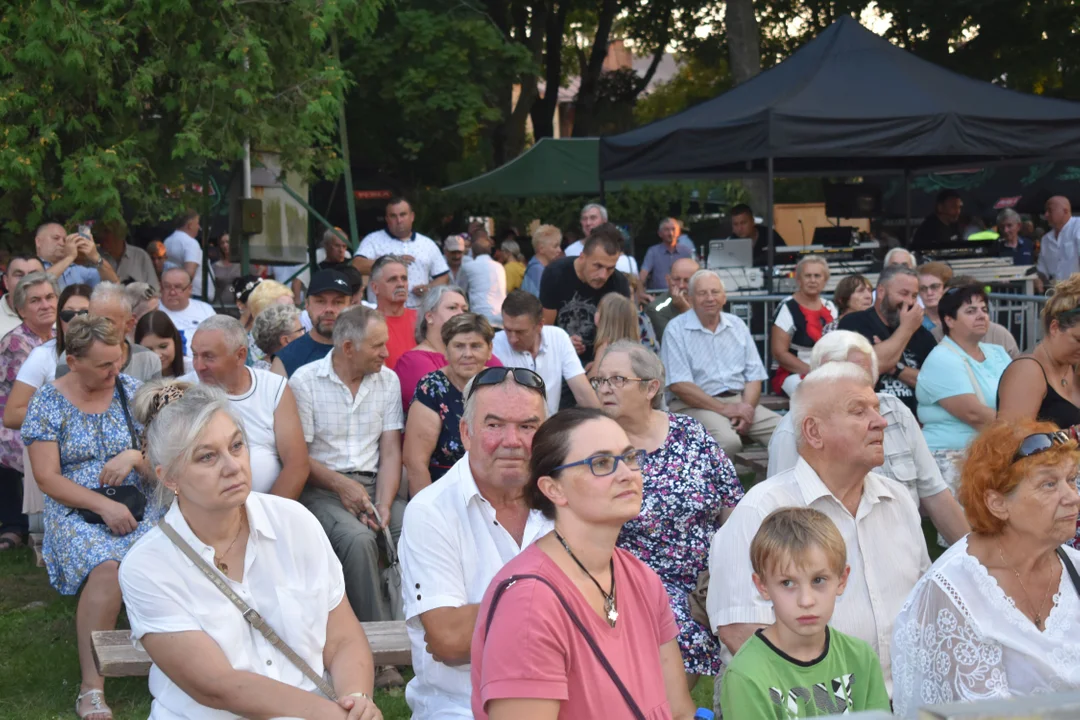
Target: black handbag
{"points": [[129, 496], [634, 709]]}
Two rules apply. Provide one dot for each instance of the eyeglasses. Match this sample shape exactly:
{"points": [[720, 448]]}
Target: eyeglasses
{"points": [[174, 288], [603, 465], [69, 315], [1039, 443], [616, 381], [495, 376]]}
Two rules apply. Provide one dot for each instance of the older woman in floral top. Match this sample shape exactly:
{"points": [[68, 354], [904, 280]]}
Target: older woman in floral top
{"points": [[35, 299], [689, 488]]}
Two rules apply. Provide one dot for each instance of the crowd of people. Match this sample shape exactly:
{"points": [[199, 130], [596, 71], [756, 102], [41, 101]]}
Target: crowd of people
{"points": [[546, 449]]}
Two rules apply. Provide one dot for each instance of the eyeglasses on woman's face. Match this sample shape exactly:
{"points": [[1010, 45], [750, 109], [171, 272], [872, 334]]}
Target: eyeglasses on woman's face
{"points": [[606, 464], [616, 381]]}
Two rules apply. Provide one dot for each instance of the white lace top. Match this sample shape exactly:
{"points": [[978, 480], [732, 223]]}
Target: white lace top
{"points": [[960, 638]]}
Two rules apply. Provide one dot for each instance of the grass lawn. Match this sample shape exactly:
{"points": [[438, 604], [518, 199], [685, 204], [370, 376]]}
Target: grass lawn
{"points": [[39, 668]]}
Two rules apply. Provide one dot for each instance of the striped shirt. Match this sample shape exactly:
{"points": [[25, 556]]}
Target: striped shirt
{"points": [[724, 360], [429, 262]]}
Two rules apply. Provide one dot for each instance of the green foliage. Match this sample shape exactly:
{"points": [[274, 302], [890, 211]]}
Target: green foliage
{"points": [[106, 103], [696, 81]]}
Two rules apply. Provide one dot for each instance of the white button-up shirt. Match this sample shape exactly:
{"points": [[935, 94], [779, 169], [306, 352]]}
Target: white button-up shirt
{"points": [[429, 262], [555, 361], [1059, 252], [908, 460], [885, 549], [342, 431], [716, 361], [451, 548], [291, 577], [485, 281]]}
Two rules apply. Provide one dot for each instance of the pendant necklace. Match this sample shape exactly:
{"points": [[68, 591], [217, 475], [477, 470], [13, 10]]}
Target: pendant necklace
{"points": [[609, 597], [219, 560], [1038, 610]]}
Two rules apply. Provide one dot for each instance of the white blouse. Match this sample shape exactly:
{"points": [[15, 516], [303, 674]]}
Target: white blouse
{"points": [[291, 577], [960, 638]]}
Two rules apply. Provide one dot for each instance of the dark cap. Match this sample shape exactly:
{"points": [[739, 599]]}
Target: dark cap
{"points": [[329, 281]]}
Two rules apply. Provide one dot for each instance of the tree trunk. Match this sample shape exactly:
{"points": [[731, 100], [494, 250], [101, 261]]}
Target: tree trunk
{"points": [[543, 109], [744, 56], [585, 106]]}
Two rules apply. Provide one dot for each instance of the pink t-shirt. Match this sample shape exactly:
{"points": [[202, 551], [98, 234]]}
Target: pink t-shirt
{"points": [[536, 651], [415, 364]]}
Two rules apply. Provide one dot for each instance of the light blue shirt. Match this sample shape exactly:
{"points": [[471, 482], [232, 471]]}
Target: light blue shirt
{"points": [[533, 272], [948, 372], [76, 274], [721, 361]]}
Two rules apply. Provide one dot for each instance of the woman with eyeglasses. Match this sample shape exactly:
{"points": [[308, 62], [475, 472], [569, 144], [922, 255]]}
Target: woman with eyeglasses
{"points": [[998, 611], [689, 488], [586, 629], [432, 429], [958, 384]]}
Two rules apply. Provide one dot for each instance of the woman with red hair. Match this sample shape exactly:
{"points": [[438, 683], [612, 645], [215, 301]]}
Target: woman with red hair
{"points": [[998, 611]]}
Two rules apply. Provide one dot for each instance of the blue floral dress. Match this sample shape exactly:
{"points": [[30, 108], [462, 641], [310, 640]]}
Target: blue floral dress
{"points": [[435, 391], [86, 442], [687, 482]]}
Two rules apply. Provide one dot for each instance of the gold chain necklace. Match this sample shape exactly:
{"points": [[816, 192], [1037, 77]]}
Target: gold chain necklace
{"points": [[1038, 610], [219, 560]]}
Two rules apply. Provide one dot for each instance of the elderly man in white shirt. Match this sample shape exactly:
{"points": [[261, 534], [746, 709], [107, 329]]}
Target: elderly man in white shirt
{"points": [[484, 280], [462, 529], [714, 372], [907, 457], [525, 341], [840, 441], [1059, 251], [427, 266]]}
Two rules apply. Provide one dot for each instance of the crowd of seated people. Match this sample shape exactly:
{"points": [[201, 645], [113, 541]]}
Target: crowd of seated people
{"points": [[552, 453]]}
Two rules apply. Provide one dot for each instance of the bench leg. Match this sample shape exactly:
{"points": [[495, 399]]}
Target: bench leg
{"points": [[36, 542]]}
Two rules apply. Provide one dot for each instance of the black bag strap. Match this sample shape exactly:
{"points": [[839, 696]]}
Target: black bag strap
{"points": [[127, 412], [505, 585], [1070, 568]]}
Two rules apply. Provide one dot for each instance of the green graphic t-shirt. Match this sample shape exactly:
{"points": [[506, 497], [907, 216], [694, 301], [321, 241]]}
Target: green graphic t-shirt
{"points": [[763, 682]]}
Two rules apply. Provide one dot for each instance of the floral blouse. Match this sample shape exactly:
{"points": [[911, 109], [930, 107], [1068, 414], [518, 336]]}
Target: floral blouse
{"points": [[14, 349], [435, 391]]}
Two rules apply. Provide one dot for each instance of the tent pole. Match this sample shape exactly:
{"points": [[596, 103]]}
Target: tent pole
{"points": [[907, 208], [602, 193], [769, 219]]}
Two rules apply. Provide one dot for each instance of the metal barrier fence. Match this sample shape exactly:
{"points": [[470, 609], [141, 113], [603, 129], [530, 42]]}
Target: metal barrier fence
{"points": [[1018, 313]]}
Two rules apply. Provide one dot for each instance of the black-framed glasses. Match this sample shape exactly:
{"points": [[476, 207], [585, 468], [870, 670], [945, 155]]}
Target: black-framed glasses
{"points": [[69, 315], [1039, 443], [496, 375], [616, 381], [606, 464]]}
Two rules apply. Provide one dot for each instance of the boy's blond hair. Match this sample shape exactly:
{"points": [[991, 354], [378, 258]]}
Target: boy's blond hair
{"points": [[787, 534]]}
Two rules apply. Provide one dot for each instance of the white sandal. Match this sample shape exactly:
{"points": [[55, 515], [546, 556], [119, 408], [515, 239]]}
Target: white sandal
{"points": [[97, 703]]}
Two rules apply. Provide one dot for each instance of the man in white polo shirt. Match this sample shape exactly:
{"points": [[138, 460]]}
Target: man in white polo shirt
{"points": [[526, 341], [427, 266], [460, 531]]}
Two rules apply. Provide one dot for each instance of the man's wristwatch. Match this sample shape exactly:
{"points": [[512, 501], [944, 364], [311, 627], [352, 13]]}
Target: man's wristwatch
{"points": [[100, 261]]}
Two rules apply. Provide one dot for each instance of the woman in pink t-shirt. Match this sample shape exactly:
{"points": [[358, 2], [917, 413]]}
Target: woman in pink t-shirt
{"points": [[540, 652]]}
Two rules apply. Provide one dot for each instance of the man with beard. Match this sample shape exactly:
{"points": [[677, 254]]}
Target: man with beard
{"points": [[328, 295], [390, 283], [894, 326]]}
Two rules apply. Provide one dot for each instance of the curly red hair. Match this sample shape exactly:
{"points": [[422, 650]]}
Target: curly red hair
{"points": [[989, 466]]}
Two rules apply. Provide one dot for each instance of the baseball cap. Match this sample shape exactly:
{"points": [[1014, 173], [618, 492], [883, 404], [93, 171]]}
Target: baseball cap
{"points": [[454, 243], [329, 281]]}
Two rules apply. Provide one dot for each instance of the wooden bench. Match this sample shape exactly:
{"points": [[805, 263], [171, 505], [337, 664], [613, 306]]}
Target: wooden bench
{"points": [[776, 403], [116, 656], [754, 457]]}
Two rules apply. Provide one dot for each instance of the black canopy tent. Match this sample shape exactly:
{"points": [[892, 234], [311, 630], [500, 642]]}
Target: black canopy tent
{"points": [[848, 102]]}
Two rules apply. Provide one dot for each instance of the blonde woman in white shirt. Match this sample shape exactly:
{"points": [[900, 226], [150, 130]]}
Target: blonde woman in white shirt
{"points": [[270, 551]]}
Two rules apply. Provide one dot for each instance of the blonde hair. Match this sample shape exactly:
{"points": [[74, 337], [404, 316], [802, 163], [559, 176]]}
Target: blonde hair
{"points": [[266, 294], [812, 260], [546, 234], [788, 534], [937, 269], [1064, 301], [618, 320], [83, 331]]}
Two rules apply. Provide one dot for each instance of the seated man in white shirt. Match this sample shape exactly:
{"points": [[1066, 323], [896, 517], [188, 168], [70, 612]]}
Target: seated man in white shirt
{"points": [[525, 341], [461, 530], [185, 312], [840, 438], [279, 456], [907, 457]]}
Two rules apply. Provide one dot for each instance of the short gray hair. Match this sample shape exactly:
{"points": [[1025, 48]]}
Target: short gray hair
{"points": [[271, 324], [469, 412], [111, 292], [32, 280], [328, 238], [173, 431], [891, 271], [139, 294], [352, 325], [835, 346], [705, 272], [811, 260], [597, 206], [1008, 214], [431, 300], [896, 251], [828, 374], [382, 262], [644, 363], [512, 248], [670, 221], [233, 331]]}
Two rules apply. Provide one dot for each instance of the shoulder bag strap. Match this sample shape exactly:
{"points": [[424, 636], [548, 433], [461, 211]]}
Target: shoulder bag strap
{"points": [[1070, 568], [250, 614], [127, 412], [505, 584], [967, 366]]}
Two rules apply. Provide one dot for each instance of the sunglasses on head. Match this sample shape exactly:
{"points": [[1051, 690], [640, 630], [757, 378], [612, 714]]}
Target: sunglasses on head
{"points": [[496, 375], [69, 315], [1039, 443]]}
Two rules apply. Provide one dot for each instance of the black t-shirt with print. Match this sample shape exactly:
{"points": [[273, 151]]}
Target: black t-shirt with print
{"points": [[869, 324], [574, 302]]}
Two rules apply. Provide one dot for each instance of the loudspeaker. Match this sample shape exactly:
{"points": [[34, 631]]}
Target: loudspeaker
{"points": [[250, 211]]}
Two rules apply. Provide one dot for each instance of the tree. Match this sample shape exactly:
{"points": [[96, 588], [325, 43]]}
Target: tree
{"points": [[106, 104], [698, 79]]}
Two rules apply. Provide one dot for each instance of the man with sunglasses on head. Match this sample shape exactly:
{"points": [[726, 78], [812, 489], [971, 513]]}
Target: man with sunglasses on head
{"points": [[459, 532]]}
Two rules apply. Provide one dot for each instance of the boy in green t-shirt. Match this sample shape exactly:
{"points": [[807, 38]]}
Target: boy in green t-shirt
{"points": [[797, 667]]}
